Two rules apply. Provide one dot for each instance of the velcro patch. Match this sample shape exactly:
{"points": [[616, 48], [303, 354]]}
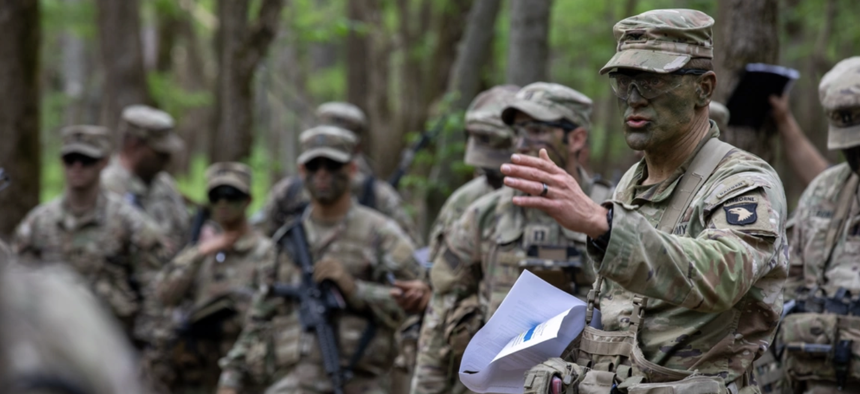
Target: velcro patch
{"points": [[741, 214]]}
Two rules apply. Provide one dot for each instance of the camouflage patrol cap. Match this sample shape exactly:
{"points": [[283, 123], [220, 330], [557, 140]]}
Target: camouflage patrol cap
{"points": [[327, 141], [662, 41], [236, 175], [151, 125], [343, 115], [91, 141], [550, 102], [719, 114], [838, 91], [490, 142]]}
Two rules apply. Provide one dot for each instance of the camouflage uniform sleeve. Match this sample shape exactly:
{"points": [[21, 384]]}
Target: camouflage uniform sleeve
{"points": [[177, 278], [150, 246], [713, 271], [391, 205], [234, 369], [395, 253], [22, 242], [270, 209], [452, 279]]}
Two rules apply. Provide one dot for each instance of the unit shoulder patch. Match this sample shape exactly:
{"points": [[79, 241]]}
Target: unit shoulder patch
{"points": [[741, 214]]}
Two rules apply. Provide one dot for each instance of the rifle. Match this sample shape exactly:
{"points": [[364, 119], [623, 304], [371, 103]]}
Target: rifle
{"points": [[409, 154], [318, 301]]}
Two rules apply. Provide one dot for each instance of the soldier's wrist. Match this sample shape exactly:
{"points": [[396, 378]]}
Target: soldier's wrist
{"points": [[602, 242]]}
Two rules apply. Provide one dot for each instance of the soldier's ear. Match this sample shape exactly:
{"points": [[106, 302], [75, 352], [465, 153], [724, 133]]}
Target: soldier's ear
{"points": [[576, 139], [705, 86], [353, 168], [302, 171]]}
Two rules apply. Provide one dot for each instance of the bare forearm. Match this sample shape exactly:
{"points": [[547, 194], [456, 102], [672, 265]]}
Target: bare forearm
{"points": [[805, 160]]}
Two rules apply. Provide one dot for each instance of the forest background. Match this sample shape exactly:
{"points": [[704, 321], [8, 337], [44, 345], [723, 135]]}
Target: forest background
{"points": [[243, 77]]}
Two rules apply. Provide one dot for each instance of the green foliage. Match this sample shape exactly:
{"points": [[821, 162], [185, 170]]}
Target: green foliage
{"points": [[76, 17], [171, 97]]}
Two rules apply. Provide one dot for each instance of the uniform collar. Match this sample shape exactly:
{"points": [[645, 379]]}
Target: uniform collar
{"points": [[135, 185], [96, 216], [636, 194], [247, 242]]}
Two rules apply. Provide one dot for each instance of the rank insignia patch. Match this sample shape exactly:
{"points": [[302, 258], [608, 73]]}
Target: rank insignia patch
{"points": [[741, 214]]}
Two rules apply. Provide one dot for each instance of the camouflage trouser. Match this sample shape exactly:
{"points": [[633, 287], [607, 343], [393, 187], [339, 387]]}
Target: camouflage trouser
{"points": [[158, 373], [404, 365], [438, 362], [312, 379]]}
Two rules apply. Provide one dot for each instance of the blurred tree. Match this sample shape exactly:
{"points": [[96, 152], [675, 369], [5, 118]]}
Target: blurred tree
{"points": [[748, 32], [240, 46], [528, 45], [19, 114], [473, 51], [121, 59]]}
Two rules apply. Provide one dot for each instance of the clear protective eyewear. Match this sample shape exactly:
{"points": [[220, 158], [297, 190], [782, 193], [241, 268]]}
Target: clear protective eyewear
{"points": [[650, 85]]}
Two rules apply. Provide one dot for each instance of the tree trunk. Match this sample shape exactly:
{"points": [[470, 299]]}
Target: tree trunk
{"points": [[473, 51], [747, 33], [19, 115], [240, 48], [122, 59], [357, 51], [528, 45]]}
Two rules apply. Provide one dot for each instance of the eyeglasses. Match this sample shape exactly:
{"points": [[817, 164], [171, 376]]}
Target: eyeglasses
{"points": [[537, 127], [845, 117], [650, 85], [229, 193], [73, 158], [322, 162]]}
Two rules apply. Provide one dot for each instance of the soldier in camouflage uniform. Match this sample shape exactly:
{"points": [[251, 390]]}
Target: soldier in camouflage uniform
{"points": [[57, 338], [483, 252], [691, 252], [290, 193], [137, 172], [113, 246], [489, 145], [355, 248], [218, 275], [826, 244]]}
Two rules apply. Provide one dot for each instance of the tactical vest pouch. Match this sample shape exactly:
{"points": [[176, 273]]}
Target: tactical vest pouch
{"points": [[696, 384], [462, 324], [817, 346], [539, 379]]}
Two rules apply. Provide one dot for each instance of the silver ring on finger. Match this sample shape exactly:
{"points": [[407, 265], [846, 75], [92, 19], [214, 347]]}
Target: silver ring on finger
{"points": [[545, 190]]}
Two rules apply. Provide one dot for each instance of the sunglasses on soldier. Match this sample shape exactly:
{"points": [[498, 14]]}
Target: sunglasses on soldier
{"points": [[228, 193], [845, 117], [323, 162], [650, 85], [73, 158]]}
